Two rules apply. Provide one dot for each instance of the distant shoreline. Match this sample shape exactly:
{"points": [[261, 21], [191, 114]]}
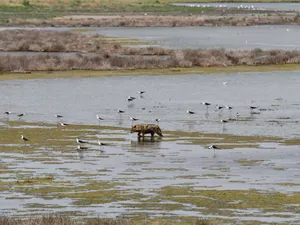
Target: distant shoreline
{"points": [[137, 20]]}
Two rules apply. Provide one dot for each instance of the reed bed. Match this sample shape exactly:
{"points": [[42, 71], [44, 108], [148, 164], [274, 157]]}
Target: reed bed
{"points": [[57, 219], [93, 52]]}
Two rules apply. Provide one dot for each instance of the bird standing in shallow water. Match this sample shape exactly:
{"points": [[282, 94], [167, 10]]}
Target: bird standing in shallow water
{"points": [[58, 116], [64, 124], [21, 115], [130, 98], [190, 112], [213, 147], [24, 139], [80, 141], [81, 147], [206, 104], [99, 119]]}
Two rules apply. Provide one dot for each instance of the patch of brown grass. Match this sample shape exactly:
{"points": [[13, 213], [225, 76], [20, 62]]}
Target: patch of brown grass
{"points": [[176, 58], [57, 219]]}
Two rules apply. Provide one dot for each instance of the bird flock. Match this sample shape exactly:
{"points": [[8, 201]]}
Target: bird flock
{"points": [[80, 142]]}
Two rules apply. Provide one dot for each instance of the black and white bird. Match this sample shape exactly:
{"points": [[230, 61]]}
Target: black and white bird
{"points": [[80, 141], [64, 124], [252, 107], [213, 147], [141, 92], [58, 116], [21, 115], [206, 104], [157, 120], [120, 111], [133, 119], [224, 121], [228, 107], [101, 143], [7, 112], [79, 147], [219, 107], [99, 118], [24, 139], [130, 98], [190, 112]]}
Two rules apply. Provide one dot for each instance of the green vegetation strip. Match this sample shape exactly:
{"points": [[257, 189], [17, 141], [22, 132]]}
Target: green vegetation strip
{"points": [[220, 200], [149, 72]]}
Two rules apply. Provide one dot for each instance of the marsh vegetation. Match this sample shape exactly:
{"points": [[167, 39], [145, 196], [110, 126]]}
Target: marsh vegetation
{"points": [[114, 54]]}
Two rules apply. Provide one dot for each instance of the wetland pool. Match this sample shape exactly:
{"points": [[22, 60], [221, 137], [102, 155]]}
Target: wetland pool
{"points": [[176, 176], [233, 37], [167, 97]]}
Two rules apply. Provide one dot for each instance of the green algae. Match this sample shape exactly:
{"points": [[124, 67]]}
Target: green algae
{"points": [[216, 200]]}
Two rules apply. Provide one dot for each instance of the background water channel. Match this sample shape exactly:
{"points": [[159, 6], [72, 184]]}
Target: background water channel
{"points": [[264, 37]]}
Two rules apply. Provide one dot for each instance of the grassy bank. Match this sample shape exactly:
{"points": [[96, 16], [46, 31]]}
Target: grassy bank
{"points": [[57, 219], [108, 54]]}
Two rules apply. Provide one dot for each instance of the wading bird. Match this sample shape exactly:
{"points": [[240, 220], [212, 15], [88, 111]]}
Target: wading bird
{"points": [[80, 141], [206, 104], [64, 124], [190, 112], [24, 139], [58, 116], [21, 115], [130, 98], [81, 147], [213, 147]]}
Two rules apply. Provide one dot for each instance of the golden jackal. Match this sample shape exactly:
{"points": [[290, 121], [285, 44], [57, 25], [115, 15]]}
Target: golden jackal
{"points": [[146, 129]]}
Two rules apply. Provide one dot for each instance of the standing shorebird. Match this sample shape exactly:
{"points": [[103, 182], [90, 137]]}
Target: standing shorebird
{"points": [[58, 116], [224, 121], [24, 139], [79, 147], [190, 112], [213, 147], [80, 141], [64, 124], [219, 107], [133, 119], [157, 120], [141, 92], [99, 119], [101, 143], [252, 108], [130, 98], [206, 104], [121, 112], [228, 107], [7, 113], [21, 115]]}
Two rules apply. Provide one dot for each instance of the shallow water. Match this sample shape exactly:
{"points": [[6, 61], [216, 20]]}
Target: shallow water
{"points": [[287, 6], [145, 167], [166, 97], [264, 37]]}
